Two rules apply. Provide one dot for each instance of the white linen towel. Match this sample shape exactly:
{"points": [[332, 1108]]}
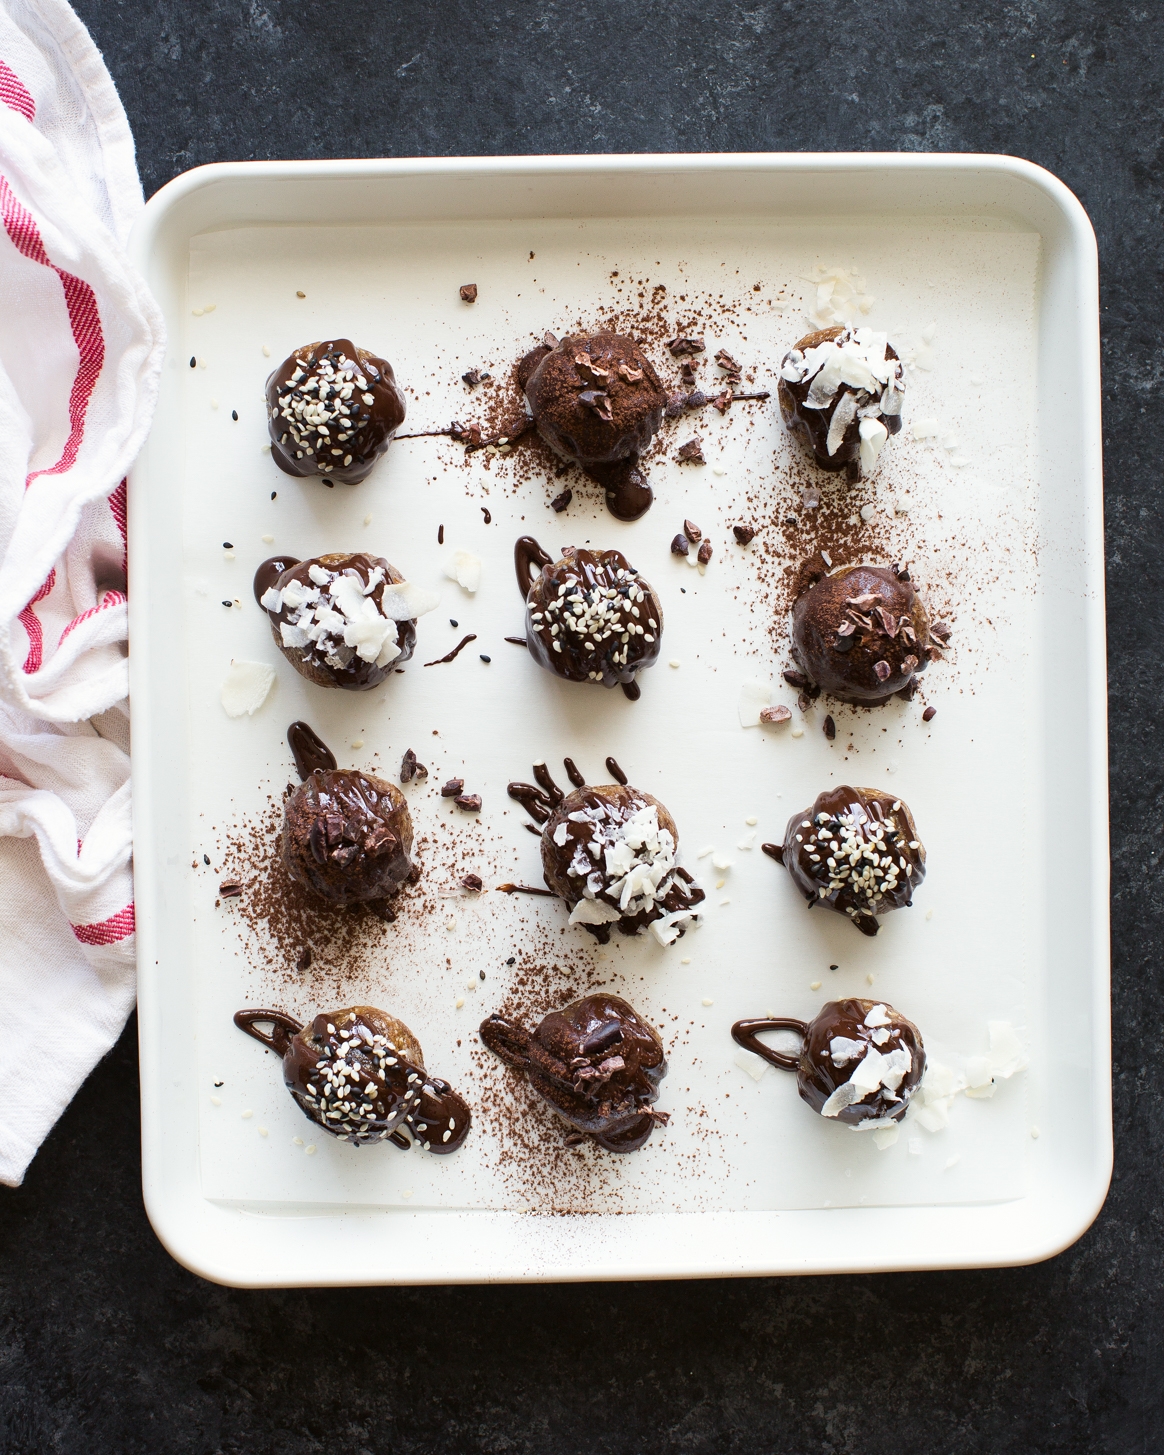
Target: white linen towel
{"points": [[81, 344]]}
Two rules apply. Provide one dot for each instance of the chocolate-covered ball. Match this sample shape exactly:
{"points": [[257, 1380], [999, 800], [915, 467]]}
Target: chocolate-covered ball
{"points": [[359, 1074], [598, 402], [596, 1063], [860, 1060], [590, 617], [862, 634], [856, 851], [610, 853], [337, 619], [840, 393], [331, 410], [347, 836]]}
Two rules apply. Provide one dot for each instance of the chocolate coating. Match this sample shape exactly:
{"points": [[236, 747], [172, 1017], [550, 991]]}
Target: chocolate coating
{"points": [[598, 402], [330, 661], [617, 634], [871, 839], [359, 1074], [595, 1062], [580, 853], [861, 633], [335, 420], [834, 1046], [347, 836], [812, 425]]}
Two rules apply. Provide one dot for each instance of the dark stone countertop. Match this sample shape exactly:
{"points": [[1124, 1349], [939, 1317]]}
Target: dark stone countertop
{"points": [[107, 1345]]}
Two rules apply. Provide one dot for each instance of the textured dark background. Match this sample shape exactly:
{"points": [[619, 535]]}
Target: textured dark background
{"points": [[107, 1345]]}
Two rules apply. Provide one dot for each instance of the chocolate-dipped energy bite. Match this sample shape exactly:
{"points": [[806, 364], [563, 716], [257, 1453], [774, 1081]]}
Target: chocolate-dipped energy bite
{"points": [[598, 402], [359, 1074], [862, 634], [840, 392], [342, 620], [856, 851], [610, 853], [346, 835], [331, 410], [595, 1062], [859, 1061], [590, 617]]}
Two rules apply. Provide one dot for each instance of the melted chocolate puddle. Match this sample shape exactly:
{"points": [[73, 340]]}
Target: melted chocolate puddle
{"points": [[311, 753], [269, 572], [526, 555]]}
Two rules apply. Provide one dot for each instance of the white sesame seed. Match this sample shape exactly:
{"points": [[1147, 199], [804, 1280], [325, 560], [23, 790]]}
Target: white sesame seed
{"points": [[247, 1114], [707, 1000], [262, 1131], [216, 1101], [310, 1150], [814, 985], [460, 1002]]}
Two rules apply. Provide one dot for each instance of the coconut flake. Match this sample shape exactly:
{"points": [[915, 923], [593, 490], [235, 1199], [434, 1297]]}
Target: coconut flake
{"points": [[465, 570], [1006, 1050], [873, 435], [755, 694], [878, 1016], [593, 912], [271, 599], [404, 601], [886, 1136], [843, 416], [246, 687], [748, 1061]]}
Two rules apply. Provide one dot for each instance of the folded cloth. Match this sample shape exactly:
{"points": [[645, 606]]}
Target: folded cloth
{"points": [[81, 345]]}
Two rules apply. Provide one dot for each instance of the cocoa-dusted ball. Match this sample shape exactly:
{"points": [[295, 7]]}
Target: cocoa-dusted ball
{"points": [[359, 1074], [597, 401], [856, 851], [347, 836], [862, 633], [840, 393], [331, 410], [596, 1063], [860, 1060], [339, 619], [590, 617], [610, 853]]}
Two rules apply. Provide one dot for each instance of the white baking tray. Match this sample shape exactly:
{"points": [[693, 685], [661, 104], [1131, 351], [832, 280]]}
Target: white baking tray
{"points": [[985, 269]]}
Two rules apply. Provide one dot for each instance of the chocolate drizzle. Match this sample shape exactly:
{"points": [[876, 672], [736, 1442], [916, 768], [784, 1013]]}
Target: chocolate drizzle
{"points": [[615, 772], [451, 656], [526, 555], [310, 752], [596, 1064], [359, 1074]]}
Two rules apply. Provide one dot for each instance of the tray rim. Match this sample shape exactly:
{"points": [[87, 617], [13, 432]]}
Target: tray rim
{"points": [[240, 1248]]}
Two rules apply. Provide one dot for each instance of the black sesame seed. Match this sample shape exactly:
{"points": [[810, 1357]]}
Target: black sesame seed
{"points": [[484, 658], [834, 967], [452, 622], [225, 602], [227, 546], [512, 960], [193, 362], [206, 858], [234, 415], [273, 494]]}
